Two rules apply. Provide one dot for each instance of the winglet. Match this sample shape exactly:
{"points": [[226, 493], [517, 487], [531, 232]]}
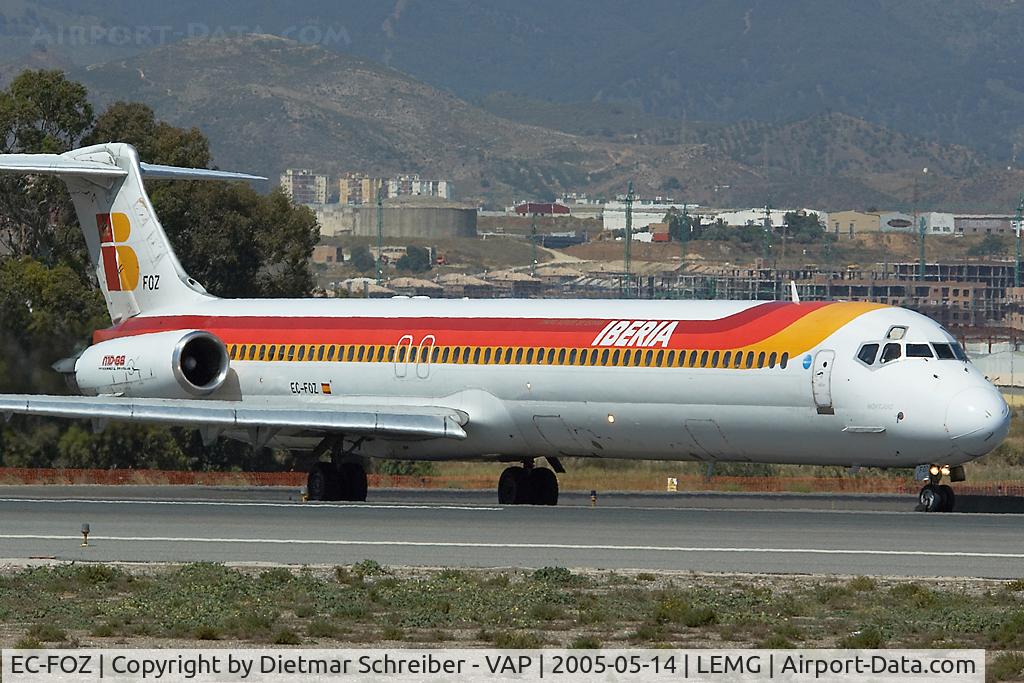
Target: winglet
{"points": [[792, 290]]}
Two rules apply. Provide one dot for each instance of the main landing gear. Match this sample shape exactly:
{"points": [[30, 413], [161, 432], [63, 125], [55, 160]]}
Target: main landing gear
{"points": [[935, 496], [343, 481], [528, 485]]}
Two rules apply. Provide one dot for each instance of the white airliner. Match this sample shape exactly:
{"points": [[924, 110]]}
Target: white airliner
{"points": [[852, 384]]}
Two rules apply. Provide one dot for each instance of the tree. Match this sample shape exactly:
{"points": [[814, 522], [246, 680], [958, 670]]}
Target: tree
{"points": [[803, 227], [41, 112], [362, 259], [415, 260], [237, 241]]}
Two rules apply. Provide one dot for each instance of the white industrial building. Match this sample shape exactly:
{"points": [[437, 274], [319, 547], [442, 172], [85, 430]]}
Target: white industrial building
{"points": [[645, 212], [740, 218], [935, 223]]}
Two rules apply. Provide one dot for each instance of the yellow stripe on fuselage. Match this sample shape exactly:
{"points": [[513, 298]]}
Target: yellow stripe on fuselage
{"points": [[814, 328]]}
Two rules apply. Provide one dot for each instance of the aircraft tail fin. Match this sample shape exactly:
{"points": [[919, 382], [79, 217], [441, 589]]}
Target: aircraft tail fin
{"points": [[135, 264]]}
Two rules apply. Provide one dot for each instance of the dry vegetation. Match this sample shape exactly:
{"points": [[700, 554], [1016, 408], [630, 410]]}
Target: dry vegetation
{"points": [[203, 604]]}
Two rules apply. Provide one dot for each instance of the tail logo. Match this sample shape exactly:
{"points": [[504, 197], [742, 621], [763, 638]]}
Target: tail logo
{"points": [[120, 262]]}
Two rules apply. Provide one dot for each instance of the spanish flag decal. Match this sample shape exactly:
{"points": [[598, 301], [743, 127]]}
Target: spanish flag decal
{"points": [[325, 387]]}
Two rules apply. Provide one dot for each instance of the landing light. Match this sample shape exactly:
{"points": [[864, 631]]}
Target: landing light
{"points": [[934, 470], [945, 470], [611, 418]]}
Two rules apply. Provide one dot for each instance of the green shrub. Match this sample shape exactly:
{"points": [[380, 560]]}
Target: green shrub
{"points": [[862, 584], [47, 633], [321, 628], [285, 636], [868, 638], [585, 643], [1007, 666], [516, 640]]}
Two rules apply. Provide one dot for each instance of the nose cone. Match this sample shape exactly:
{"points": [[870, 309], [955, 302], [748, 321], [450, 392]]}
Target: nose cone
{"points": [[977, 420]]}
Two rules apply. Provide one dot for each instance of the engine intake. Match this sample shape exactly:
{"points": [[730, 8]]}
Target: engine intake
{"points": [[200, 362]]}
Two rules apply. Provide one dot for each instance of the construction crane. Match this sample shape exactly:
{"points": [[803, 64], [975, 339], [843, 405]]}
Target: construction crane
{"points": [[1017, 227], [921, 231], [380, 234], [629, 235]]}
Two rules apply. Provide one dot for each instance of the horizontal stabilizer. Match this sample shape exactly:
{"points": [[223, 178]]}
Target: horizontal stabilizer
{"points": [[63, 164], [57, 164], [412, 422], [180, 173]]}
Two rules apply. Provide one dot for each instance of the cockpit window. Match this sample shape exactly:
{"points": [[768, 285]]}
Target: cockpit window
{"points": [[867, 353], [958, 351], [890, 353], [896, 333], [943, 351], [919, 351]]}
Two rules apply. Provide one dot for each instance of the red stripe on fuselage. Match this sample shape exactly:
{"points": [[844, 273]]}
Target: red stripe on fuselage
{"points": [[740, 329]]}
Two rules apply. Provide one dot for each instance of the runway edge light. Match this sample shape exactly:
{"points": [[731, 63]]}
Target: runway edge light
{"points": [[85, 535]]}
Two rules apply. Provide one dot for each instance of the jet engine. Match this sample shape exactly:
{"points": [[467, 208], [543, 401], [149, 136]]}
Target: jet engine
{"points": [[179, 364]]}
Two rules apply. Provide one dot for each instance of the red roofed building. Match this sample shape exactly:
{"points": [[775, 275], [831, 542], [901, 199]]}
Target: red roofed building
{"points": [[542, 209]]}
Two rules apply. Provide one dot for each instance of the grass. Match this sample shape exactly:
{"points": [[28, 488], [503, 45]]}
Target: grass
{"points": [[367, 603]]}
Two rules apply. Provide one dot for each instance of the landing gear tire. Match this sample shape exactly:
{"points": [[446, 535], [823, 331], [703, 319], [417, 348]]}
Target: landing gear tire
{"points": [[948, 498], [545, 486], [514, 486], [323, 482], [353, 479], [936, 498]]}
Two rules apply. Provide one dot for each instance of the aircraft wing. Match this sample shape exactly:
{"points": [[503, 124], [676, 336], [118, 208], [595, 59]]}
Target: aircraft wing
{"points": [[407, 422]]}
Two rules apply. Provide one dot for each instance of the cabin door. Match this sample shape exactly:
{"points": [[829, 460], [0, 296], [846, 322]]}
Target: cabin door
{"points": [[821, 381]]}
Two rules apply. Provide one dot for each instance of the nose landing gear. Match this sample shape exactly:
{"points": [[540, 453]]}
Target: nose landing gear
{"points": [[935, 496]]}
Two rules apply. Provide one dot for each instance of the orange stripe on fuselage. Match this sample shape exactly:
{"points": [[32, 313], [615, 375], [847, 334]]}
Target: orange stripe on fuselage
{"points": [[779, 325]]}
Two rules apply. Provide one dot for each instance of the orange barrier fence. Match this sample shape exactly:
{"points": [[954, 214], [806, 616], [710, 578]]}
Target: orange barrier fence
{"points": [[647, 482]]}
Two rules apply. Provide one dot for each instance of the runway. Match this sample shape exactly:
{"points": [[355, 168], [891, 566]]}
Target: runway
{"points": [[777, 533]]}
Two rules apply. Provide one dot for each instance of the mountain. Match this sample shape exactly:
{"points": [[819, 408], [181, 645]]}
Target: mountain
{"points": [[268, 103], [947, 71]]}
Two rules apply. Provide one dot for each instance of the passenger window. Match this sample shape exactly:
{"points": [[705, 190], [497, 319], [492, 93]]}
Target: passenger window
{"points": [[771, 359], [868, 353], [714, 359], [487, 356], [661, 358], [446, 354], [750, 359], [943, 351], [561, 357], [890, 353], [508, 355], [919, 351], [572, 357], [350, 356], [551, 356], [263, 352], [693, 359], [476, 356], [321, 350], [615, 357], [738, 361], [784, 361], [291, 352], [519, 355], [604, 357], [760, 360], [648, 358], [529, 355], [727, 359]]}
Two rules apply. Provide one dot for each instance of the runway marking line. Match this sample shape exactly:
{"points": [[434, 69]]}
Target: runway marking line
{"points": [[225, 503], [526, 546]]}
